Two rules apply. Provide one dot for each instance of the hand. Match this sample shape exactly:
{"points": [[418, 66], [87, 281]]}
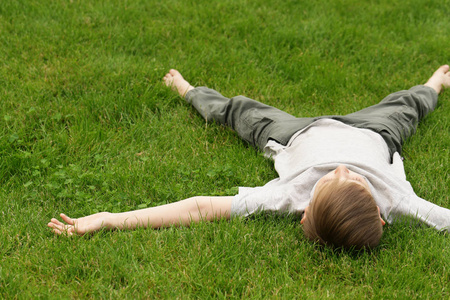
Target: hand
{"points": [[79, 226]]}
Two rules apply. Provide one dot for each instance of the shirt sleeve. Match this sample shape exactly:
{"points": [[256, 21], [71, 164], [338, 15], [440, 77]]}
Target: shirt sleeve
{"points": [[429, 213], [268, 198], [254, 200]]}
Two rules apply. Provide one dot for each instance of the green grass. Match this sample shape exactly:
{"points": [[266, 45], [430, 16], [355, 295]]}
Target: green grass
{"points": [[87, 126]]}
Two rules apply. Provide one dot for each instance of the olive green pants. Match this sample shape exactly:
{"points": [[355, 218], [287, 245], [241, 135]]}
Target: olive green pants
{"points": [[395, 118]]}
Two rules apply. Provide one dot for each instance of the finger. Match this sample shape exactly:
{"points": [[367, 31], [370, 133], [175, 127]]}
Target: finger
{"points": [[59, 227], [67, 219], [61, 230], [56, 231], [57, 222], [54, 228]]}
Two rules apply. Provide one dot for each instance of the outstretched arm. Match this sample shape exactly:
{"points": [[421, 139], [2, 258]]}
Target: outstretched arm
{"points": [[195, 209]]}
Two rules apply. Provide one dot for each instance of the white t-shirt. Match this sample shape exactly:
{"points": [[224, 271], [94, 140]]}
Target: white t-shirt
{"points": [[323, 146]]}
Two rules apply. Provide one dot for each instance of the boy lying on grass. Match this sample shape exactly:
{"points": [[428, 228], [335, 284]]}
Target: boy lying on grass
{"points": [[341, 172]]}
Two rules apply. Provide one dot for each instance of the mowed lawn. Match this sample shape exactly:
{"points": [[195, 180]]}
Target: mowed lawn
{"points": [[86, 125]]}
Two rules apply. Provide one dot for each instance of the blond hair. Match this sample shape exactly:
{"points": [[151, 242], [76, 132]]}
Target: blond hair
{"points": [[343, 214]]}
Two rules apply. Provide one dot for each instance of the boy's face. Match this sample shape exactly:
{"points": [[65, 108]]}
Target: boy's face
{"points": [[342, 173]]}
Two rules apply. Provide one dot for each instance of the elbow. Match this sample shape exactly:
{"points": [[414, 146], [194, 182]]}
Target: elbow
{"points": [[201, 209]]}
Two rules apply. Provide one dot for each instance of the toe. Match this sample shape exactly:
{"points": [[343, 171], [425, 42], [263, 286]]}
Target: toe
{"points": [[174, 72], [444, 68]]}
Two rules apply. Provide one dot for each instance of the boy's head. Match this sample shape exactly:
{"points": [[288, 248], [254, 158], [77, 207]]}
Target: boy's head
{"points": [[343, 212]]}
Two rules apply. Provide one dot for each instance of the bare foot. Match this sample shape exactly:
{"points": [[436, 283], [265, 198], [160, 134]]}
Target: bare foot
{"points": [[440, 78], [177, 82]]}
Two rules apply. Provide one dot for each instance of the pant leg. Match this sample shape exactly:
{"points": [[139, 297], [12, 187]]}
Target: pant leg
{"points": [[396, 117], [251, 119]]}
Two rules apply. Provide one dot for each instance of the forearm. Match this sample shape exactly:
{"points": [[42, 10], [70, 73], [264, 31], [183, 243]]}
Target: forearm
{"points": [[182, 213]]}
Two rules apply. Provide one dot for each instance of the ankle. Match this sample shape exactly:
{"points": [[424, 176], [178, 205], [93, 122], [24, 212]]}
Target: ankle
{"points": [[186, 90], [435, 87]]}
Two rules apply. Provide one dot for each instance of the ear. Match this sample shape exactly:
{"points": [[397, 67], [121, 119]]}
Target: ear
{"points": [[304, 215], [379, 213]]}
